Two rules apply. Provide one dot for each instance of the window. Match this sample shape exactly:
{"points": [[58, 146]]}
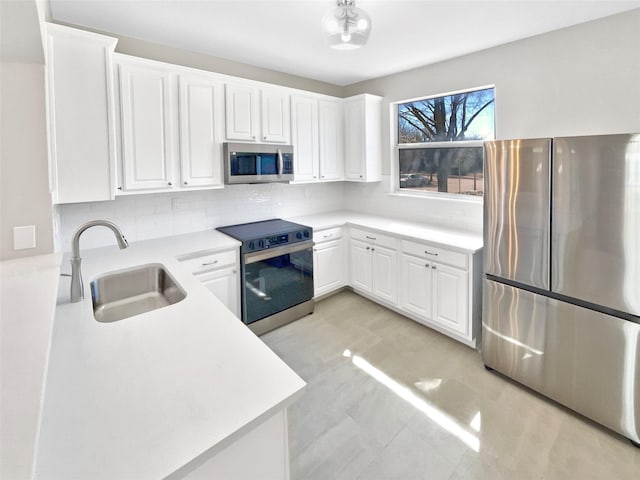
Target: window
{"points": [[439, 141]]}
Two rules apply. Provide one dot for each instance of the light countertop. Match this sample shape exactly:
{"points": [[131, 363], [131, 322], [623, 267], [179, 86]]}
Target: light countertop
{"points": [[463, 240], [141, 397], [27, 301]]}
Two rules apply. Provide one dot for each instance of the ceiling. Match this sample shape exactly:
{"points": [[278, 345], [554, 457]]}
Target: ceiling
{"points": [[286, 35]]}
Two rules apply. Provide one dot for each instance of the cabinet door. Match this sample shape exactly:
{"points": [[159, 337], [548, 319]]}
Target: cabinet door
{"points": [[417, 286], [451, 298], [354, 140], [241, 112], [385, 278], [328, 267], [305, 137], [276, 122], [360, 265], [81, 114], [200, 131], [331, 140], [224, 285], [146, 95]]}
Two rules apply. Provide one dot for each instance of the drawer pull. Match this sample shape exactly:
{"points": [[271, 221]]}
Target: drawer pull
{"points": [[209, 263], [368, 248], [427, 265], [370, 238], [430, 253], [328, 236], [433, 267]]}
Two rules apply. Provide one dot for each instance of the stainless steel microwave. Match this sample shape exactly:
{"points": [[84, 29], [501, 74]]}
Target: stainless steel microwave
{"points": [[257, 163]]}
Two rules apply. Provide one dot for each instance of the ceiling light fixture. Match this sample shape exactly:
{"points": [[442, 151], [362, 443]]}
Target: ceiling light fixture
{"points": [[346, 26]]}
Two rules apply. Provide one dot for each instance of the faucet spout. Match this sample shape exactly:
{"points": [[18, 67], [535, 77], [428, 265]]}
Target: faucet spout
{"points": [[77, 285]]}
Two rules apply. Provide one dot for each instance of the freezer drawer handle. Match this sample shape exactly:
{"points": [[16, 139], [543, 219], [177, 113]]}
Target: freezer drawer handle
{"points": [[370, 238], [430, 253]]}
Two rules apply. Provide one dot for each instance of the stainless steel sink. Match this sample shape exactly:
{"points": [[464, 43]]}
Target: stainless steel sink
{"points": [[125, 293]]}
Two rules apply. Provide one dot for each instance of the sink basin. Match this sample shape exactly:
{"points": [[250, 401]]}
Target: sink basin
{"points": [[125, 293]]}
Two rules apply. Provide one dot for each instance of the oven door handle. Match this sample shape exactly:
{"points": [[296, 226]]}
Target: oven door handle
{"points": [[276, 252]]}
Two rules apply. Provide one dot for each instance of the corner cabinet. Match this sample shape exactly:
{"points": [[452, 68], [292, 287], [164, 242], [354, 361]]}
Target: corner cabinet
{"points": [[317, 138], [362, 148], [171, 128], [81, 114]]}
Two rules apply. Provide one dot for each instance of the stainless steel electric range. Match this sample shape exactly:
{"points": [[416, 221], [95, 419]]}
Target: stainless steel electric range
{"points": [[276, 261]]}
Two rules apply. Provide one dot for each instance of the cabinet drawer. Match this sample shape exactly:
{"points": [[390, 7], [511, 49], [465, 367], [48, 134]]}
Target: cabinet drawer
{"points": [[374, 238], [327, 234], [204, 263], [423, 250]]}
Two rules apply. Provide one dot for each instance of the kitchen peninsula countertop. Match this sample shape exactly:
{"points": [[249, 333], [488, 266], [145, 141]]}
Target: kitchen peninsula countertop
{"points": [[464, 240], [143, 396]]}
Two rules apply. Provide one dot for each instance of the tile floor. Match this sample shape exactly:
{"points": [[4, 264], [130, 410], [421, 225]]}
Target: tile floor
{"points": [[390, 399]]}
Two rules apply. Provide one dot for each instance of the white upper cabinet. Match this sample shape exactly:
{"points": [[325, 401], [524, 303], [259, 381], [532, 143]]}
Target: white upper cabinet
{"points": [[331, 140], [305, 137], [81, 114], [250, 121], [317, 138], [148, 130], [362, 116], [201, 114], [241, 112], [276, 122]]}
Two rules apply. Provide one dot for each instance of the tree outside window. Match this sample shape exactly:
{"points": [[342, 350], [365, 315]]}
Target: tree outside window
{"points": [[439, 141]]}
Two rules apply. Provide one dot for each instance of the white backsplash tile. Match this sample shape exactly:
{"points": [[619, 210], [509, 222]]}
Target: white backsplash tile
{"points": [[143, 217]]}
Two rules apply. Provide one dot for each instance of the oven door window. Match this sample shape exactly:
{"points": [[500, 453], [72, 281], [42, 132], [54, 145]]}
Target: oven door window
{"points": [[275, 284]]}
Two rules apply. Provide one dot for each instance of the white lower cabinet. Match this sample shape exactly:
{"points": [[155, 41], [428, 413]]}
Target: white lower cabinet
{"points": [[329, 272], [435, 286], [435, 293], [219, 273], [373, 262], [223, 283]]}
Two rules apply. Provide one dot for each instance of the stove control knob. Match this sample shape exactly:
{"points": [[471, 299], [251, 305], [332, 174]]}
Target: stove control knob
{"points": [[252, 245], [299, 235], [261, 243], [306, 234]]}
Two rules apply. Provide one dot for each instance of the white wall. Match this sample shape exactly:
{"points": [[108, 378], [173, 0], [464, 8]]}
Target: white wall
{"points": [[576, 81], [24, 173], [159, 215]]}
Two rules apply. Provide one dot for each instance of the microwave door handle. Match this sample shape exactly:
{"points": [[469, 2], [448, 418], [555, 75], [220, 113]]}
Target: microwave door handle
{"points": [[280, 166]]}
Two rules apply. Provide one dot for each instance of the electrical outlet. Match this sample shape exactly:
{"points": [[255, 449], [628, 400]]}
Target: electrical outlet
{"points": [[24, 237]]}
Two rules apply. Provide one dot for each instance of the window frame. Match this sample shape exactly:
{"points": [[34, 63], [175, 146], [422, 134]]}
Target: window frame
{"points": [[396, 147]]}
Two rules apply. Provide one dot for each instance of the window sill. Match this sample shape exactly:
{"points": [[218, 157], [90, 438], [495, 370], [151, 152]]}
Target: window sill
{"points": [[437, 196]]}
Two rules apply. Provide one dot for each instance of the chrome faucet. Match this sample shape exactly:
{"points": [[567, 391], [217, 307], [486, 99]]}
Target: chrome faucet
{"points": [[77, 286]]}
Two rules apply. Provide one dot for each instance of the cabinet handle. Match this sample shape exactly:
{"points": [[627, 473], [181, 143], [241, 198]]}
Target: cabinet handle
{"points": [[360, 176], [254, 137], [328, 236], [315, 176], [370, 238], [169, 183], [265, 137], [209, 263], [368, 248], [321, 176], [430, 253], [120, 188], [373, 249], [233, 271], [186, 183], [433, 267], [315, 249], [427, 265]]}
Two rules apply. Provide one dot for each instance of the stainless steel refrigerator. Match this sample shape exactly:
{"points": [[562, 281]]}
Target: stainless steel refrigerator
{"points": [[561, 287]]}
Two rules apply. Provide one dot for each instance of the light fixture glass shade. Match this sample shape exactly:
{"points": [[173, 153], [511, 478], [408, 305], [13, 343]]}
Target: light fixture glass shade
{"points": [[346, 26]]}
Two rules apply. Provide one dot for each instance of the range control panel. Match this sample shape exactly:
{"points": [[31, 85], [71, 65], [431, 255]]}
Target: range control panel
{"points": [[273, 241]]}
